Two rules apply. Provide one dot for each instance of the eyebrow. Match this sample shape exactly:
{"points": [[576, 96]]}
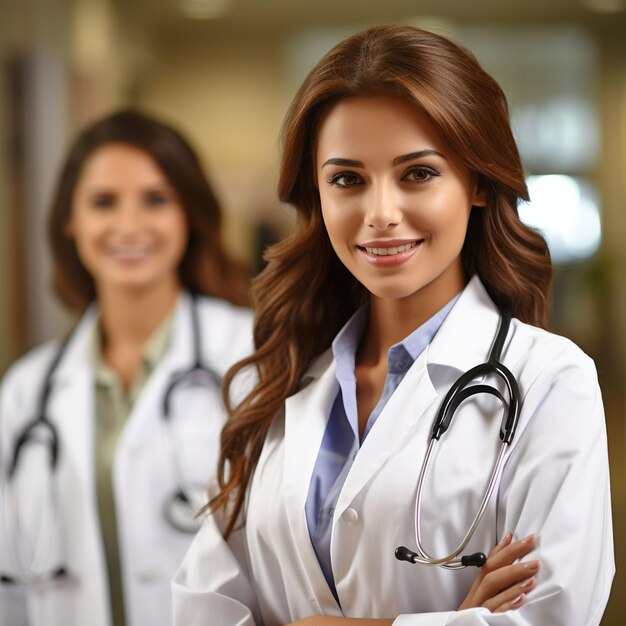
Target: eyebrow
{"points": [[411, 156], [159, 185], [416, 155], [340, 161]]}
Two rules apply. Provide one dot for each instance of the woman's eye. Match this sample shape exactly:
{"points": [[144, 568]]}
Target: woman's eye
{"points": [[345, 179], [156, 199], [103, 201], [420, 174]]}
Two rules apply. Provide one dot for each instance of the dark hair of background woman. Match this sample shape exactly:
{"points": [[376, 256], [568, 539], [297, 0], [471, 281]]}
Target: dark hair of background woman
{"points": [[205, 267], [305, 295]]}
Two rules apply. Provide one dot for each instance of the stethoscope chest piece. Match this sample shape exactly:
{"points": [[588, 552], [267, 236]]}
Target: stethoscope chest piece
{"points": [[182, 509]]}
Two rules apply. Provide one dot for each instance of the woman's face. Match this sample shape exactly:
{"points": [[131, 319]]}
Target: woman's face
{"points": [[127, 222], [395, 199]]}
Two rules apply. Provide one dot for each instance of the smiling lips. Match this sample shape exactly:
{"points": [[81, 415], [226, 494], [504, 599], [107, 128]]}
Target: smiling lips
{"points": [[386, 251], [389, 253], [130, 254]]}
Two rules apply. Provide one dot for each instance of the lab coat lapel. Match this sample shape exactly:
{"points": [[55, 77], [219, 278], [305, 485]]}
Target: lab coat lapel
{"points": [[407, 404], [72, 410], [467, 334], [306, 415], [71, 405]]}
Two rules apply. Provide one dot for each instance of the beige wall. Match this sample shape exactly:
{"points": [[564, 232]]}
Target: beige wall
{"points": [[612, 175], [228, 96], [33, 32]]}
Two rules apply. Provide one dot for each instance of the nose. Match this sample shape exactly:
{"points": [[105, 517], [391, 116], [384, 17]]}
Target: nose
{"points": [[383, 208], [129, 218]]}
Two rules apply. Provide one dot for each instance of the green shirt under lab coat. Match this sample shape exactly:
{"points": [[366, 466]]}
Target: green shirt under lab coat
{"points": [[113, 407]]}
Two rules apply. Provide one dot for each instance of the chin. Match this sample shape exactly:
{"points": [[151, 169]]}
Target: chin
{"points": [[130, 283], [390, 292]]}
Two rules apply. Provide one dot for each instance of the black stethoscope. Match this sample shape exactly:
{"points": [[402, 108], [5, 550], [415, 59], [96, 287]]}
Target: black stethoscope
{"points": [[180, 509], [460, 391]]}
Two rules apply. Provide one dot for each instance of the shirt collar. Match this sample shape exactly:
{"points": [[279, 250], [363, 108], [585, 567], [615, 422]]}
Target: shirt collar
{"points": [[346, 342], [417, 341], [153, 350], [400, 356], [464, 339]]}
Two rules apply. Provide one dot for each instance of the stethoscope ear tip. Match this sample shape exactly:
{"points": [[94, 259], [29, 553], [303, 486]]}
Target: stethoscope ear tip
{"points": [[478, 559], [404, 554]]}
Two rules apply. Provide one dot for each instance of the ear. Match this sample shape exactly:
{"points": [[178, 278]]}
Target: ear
{"points": [[68, 228], [479, 196]]}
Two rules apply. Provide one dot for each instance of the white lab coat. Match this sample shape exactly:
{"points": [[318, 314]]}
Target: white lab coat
{"points": [[151, 549], [555, 484]]}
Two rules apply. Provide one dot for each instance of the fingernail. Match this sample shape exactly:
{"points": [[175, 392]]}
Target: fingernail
{"points": [[527, 584], [532, 566], [519, 599], [529, 539], [506, 538]]}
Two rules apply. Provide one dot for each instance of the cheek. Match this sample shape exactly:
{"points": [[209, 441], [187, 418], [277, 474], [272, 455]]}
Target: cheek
{"points": [[337, 235], [86, 244], [449, 217], [85, 233], [177, 232], [339, 221]]}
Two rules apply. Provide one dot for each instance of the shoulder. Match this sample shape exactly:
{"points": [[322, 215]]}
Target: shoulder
{"points": [[22, 384], [558, 384], [227, 315], [227, 330], [542, 351], [31, 365]]}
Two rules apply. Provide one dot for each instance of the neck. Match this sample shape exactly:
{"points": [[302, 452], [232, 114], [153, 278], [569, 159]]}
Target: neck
{"points": [[391, 320], [129, 317]]}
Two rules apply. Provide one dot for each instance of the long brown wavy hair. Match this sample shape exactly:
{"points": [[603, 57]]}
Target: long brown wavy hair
{"points": [[305, 294], [205, 267]]}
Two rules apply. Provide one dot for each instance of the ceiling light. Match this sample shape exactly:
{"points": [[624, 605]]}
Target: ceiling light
{"points": [[605, 6], [204, 9], [566, 211]]}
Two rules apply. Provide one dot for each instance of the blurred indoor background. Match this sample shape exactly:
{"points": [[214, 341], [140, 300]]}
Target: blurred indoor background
{"points": [[224, 72]]}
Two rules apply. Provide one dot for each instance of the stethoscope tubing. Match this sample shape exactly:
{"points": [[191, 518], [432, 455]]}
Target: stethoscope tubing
{"points": [[461, 390], [29, 572], [451, 561]]}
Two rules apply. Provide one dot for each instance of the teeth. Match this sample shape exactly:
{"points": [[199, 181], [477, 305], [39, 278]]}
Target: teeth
{"points": [[130, 251], [391, 250]]}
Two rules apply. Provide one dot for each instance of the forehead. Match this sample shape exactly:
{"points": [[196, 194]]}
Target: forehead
{"points": [[119, 162], [375, 123]]}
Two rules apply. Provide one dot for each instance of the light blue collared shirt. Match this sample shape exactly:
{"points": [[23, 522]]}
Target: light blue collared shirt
{"points": [[340, 443]]}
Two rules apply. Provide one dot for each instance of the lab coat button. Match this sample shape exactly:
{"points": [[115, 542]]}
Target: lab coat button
{"points": [[147, 575], [351, 516]]}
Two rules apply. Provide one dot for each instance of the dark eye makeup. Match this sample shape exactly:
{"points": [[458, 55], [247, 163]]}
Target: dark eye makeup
{"points": [[344, 179]]}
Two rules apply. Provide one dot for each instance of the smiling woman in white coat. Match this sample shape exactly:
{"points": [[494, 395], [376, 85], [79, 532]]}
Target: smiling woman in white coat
{"points": [[103, 457], [405, 268]]}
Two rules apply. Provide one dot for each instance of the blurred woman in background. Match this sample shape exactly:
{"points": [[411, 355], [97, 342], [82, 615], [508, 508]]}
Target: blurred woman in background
{"points": [[108, 436]]}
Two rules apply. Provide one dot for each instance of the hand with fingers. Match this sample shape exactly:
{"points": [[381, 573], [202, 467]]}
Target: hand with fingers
{"points": [[503, 582]]}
